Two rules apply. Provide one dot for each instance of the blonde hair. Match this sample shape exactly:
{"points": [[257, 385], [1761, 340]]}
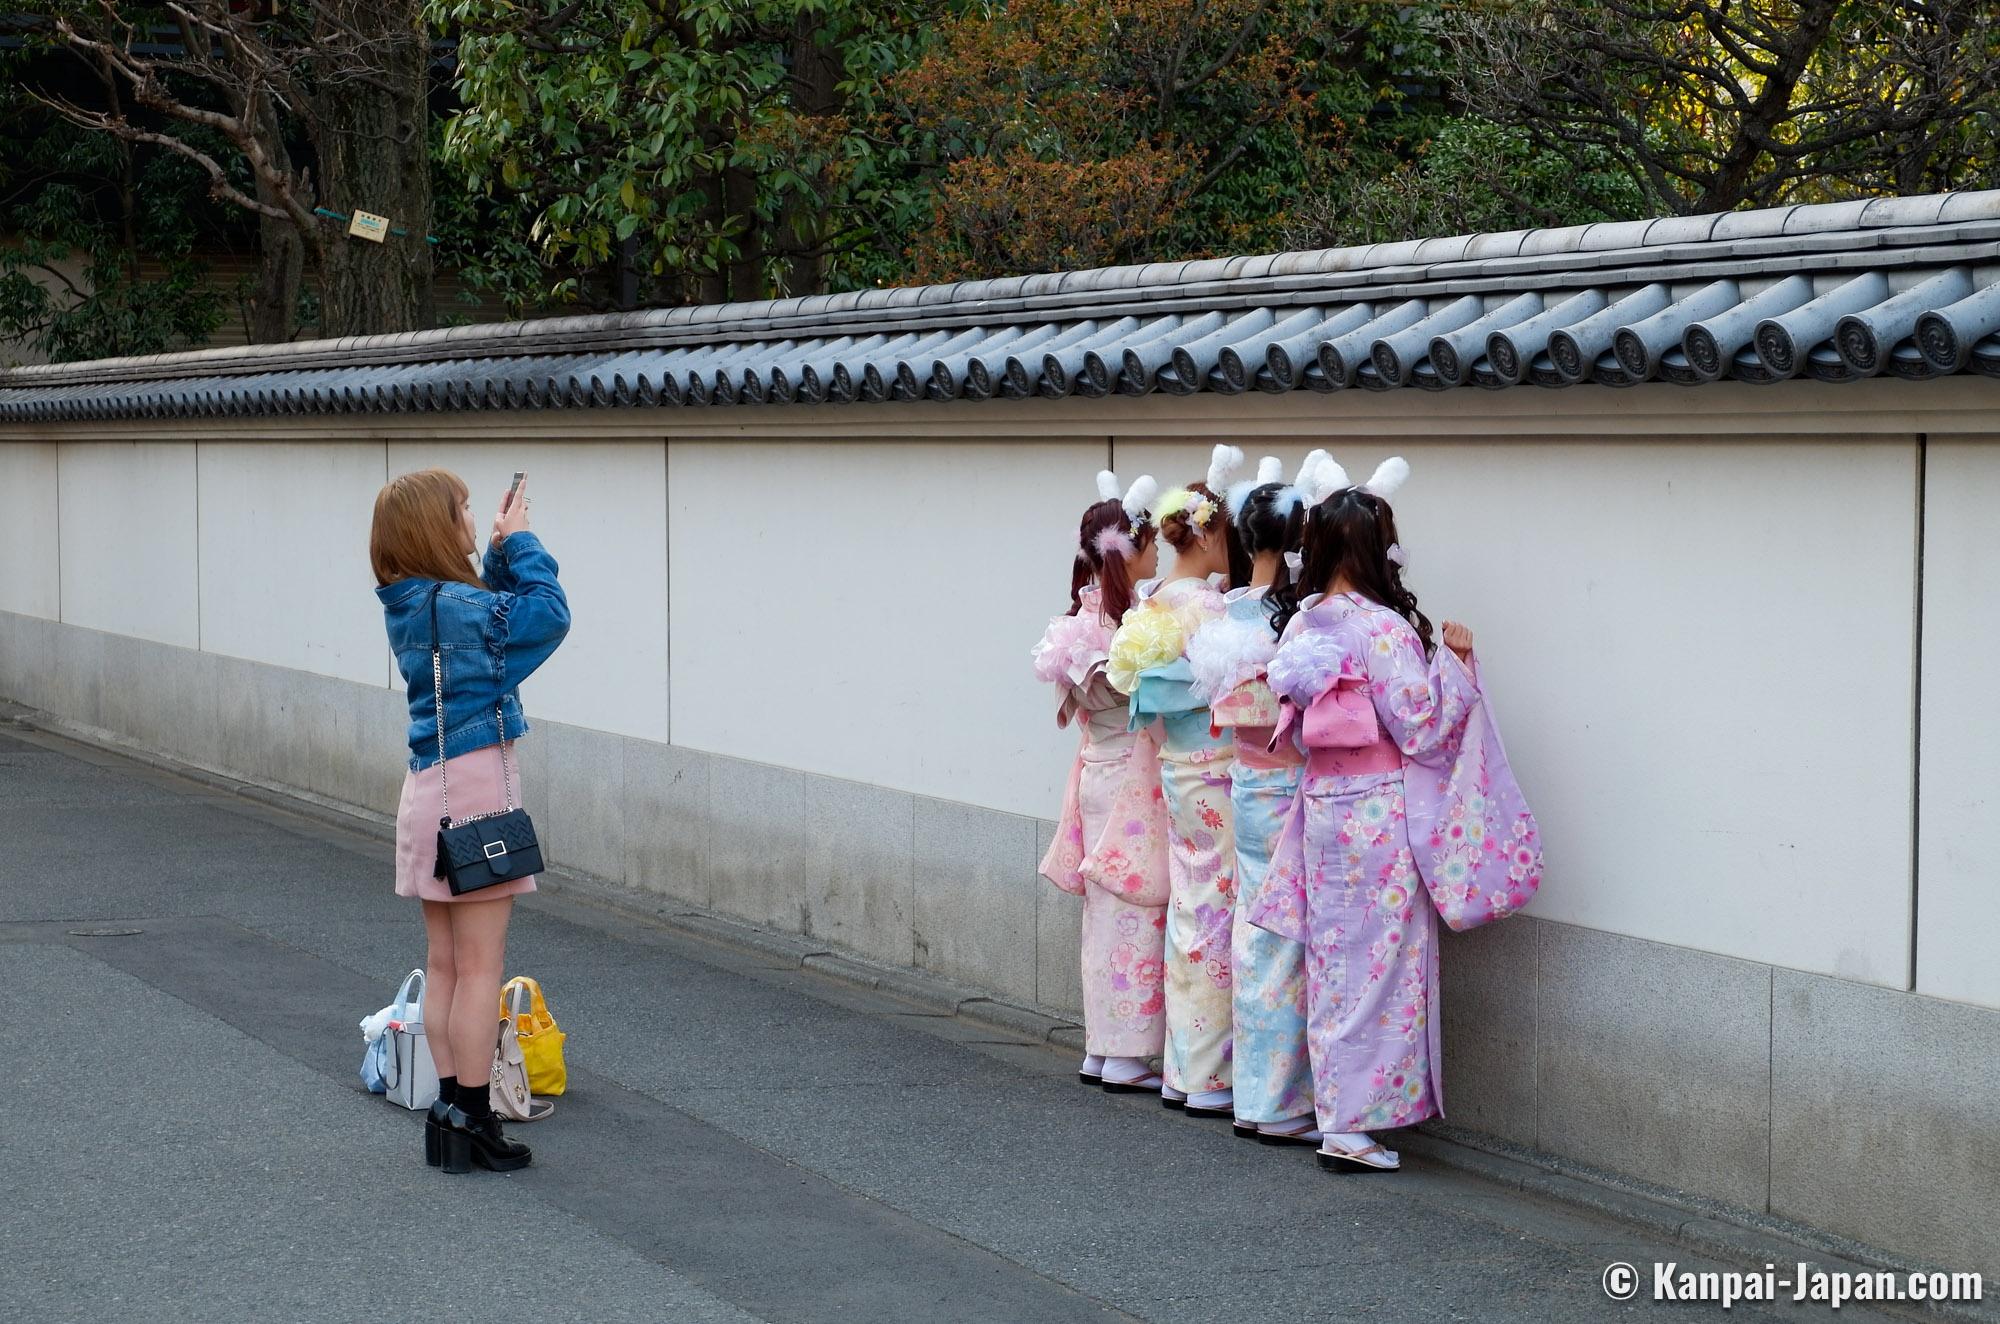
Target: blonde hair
{"points": [[418, 533]]}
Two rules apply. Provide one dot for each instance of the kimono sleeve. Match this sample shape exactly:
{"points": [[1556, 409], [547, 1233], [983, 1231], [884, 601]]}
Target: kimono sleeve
{"points": [[1423, 703]]}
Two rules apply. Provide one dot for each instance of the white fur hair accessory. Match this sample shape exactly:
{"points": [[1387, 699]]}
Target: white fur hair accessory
{"points": [[1122, 540], [1139, 499], [1270, 469], [1223, 462], [1319, 481], [1389, 476]]}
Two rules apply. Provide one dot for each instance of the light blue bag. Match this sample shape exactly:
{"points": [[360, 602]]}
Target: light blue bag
{"points": [[379, 1070], [377, 1064]]}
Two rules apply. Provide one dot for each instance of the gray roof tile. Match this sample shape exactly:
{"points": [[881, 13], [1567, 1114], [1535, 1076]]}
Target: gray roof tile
{"points": [[1909, 286], [1982, 206]]}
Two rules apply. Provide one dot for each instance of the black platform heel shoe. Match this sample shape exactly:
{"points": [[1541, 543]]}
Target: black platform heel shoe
{"points": [[433, 1131], [464, 1142]]}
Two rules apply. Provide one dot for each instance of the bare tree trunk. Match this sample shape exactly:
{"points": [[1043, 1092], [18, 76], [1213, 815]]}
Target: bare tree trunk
{"points": [[746, 269], [374, 155], [816, 92], [272, 313], [1773, 106]]}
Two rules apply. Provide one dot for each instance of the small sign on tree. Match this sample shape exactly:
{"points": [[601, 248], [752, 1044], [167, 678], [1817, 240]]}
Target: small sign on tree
{"points": [[367, 225]]}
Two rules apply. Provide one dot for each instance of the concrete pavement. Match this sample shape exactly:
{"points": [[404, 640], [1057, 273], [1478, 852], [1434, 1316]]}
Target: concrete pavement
{"points": [[185, 1136]]}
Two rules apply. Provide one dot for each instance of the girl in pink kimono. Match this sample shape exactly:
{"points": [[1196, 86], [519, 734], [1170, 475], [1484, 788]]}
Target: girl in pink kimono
{"points": [[1406, 793], [1110, 847], [1149, 663]]}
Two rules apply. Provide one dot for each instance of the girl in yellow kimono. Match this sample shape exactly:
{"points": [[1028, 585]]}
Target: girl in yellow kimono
{"points": [[1149, 663]]}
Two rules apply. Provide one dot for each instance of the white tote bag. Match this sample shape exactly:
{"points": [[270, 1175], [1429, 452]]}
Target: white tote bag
{"points": [[412, 1076]]}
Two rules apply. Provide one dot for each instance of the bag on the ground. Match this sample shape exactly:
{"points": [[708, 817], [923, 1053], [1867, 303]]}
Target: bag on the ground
{"points": [[410, 1078], [522, 1006], [511, 1097], [375, 1063]]}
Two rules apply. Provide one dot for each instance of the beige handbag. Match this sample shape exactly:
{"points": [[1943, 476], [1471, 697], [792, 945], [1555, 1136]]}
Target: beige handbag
{"points": [[509, 1091]]}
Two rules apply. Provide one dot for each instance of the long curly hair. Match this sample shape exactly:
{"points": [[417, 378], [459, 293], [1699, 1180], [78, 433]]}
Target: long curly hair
{"points": [[1099, 555], [1349, 534]]}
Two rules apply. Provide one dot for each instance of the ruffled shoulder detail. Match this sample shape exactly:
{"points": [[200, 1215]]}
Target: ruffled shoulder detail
{"points": [[1308, 664], [1150, 636], [1227, 652], [1071, 648], [1194, 602]]}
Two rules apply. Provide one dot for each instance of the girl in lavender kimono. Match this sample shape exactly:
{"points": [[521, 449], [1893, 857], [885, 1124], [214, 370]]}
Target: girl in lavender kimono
{"points": [[1149, 663], [1406, 791], [1110, 847], [1229, 657]]}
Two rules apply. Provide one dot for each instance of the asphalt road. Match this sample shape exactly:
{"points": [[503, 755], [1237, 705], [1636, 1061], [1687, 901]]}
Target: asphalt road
{"points": [[185, 1137]]}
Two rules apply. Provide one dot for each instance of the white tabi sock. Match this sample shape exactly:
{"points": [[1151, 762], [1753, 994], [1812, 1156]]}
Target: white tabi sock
{"points": [[1128, 1071]]}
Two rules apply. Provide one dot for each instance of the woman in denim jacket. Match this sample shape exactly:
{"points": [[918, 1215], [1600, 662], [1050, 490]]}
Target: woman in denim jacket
{"points": [[494, 628]]}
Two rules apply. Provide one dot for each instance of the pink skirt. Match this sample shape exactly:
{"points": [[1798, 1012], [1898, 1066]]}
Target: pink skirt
{"points": [[475, 789]]}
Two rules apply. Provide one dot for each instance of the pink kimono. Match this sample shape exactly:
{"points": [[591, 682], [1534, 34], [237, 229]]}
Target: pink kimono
{"points": [[1111, 843], [1418, 816]]}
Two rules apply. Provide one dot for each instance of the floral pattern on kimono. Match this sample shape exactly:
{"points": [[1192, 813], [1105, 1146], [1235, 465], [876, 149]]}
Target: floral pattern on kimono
{"points": [[1201, 859], [1272, 1071], [1345, 878], [1110, 846]]}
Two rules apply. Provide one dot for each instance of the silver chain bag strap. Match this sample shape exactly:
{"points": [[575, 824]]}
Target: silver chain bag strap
{"points": [[486, 849]]}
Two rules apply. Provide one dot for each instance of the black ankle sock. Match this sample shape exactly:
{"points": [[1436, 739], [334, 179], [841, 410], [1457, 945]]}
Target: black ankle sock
{"points": [[448, 1090], [475, 1104]]}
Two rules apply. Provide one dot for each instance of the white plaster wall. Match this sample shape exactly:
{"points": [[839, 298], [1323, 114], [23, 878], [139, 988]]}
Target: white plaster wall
{"points": [[28, 565], [865, 609], [1958, 878], [1678, 636], [601, 508], [128, 519], [284, 555]]}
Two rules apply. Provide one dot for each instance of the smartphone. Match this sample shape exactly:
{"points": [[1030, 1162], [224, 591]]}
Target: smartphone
{"points": [[508, 504]]}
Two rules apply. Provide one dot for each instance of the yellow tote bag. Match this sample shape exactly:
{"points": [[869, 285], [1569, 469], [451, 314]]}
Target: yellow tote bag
{"points": [[541, 1040]]}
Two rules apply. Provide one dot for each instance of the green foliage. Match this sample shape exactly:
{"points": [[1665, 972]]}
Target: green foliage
{"points": [[1471, 176], [98, 242], [713, 147]]}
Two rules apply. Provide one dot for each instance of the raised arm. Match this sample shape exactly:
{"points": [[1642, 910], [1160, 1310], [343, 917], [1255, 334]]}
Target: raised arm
{"points": [[1422, 703], [532, 615]]}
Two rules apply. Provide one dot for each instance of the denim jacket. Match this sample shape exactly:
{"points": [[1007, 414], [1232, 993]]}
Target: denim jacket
{"points": [[492, 639]]}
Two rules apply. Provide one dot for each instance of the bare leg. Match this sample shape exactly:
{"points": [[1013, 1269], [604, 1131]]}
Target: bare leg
{"points": [[440, 975], [479, 947]]}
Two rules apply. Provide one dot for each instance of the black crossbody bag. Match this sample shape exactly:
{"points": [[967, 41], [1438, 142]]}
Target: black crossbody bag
{"points": [[491, 848]]}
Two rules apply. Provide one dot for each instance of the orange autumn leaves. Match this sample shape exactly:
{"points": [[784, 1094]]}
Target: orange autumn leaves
{"points": [[1078, 133]]}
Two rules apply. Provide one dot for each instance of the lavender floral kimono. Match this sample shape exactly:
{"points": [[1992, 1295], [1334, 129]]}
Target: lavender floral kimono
{"points": [[1147, 660], [1425, 803], [1229, 657], [1110, 845]]}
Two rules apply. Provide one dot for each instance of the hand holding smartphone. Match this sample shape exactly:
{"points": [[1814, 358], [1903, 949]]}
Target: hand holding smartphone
{"points": [[513, 516]]}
